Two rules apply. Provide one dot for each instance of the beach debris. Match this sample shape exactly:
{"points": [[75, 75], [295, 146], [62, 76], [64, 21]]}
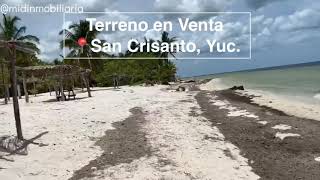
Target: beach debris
{"points": [[237, 88], [188, 81], [184, 87], [282, 136], [317, 159], [263, 122], [181, 88], [12, 144], [148, 83], [282, 127], [243, 113]]}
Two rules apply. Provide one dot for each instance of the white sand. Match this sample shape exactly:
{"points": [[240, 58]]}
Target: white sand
{"points": [[192, 146], [213, 85], [282, 136], [282, 127]]}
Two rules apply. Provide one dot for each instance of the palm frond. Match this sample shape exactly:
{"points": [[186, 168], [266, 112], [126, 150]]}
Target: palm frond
{"points": [[20, 31], [15, 19], [29, 38], [28, 46]]}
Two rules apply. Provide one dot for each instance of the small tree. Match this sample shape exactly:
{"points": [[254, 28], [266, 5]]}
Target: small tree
{"points": [[12, 39]]}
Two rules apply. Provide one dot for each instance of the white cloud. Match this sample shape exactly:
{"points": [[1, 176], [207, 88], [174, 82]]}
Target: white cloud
{"points": [[192, 6], [293, 28], [153, 34], [49, 46], [256, 4], [300, 20]]}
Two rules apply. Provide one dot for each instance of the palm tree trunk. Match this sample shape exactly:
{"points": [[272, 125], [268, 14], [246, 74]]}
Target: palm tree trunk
{"points": [[90, 65], [14, 92]]}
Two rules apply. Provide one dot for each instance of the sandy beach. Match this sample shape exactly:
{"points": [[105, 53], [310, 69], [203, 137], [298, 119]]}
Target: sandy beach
{"points": [[177, 143], [157, 133]]}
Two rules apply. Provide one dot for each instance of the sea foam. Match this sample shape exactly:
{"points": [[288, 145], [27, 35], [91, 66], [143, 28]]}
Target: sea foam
{"points": [[317, 96]]}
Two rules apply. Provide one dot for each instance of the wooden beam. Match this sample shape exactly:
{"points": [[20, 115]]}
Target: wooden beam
{"points": [[25, 89]]}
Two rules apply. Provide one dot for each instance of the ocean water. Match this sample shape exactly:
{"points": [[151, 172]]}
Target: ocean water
{"points": [[301, 83]]}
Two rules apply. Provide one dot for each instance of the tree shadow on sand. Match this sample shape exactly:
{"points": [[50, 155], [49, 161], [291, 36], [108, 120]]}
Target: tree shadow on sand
{"points": [[22, 147]]}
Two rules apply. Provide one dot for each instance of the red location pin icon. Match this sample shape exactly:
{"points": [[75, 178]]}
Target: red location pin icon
{"points": [[82, 41]]}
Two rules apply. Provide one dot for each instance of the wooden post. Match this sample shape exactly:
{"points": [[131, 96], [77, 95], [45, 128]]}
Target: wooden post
{"points": [[63, 98], [34, 88], [72, 82], [88, 85], [25, 89], [86, 82], [49, 86], [19, 91], [14, 91], [4, 86], [6, 94], [56, 90], [83, 83]]}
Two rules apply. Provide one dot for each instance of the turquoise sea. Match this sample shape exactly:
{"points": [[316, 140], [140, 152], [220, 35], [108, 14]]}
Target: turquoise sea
{"points": [[299, 82]]}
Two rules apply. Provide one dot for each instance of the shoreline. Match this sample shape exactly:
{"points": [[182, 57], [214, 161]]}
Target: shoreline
{"points": [[283, 103]]}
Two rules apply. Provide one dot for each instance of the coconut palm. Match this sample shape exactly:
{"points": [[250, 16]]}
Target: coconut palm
{"points": [[12, 39], [73, 34], [166, 39], [11, 32]]}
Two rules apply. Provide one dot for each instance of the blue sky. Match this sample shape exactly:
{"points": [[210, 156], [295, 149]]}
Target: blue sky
{"points": [[283, 31]]}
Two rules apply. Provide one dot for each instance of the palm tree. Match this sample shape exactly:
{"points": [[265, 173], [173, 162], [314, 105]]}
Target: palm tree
{"points": [[11, 32], [75, 32], [133, 45], [12, 39], [166, 39]]}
